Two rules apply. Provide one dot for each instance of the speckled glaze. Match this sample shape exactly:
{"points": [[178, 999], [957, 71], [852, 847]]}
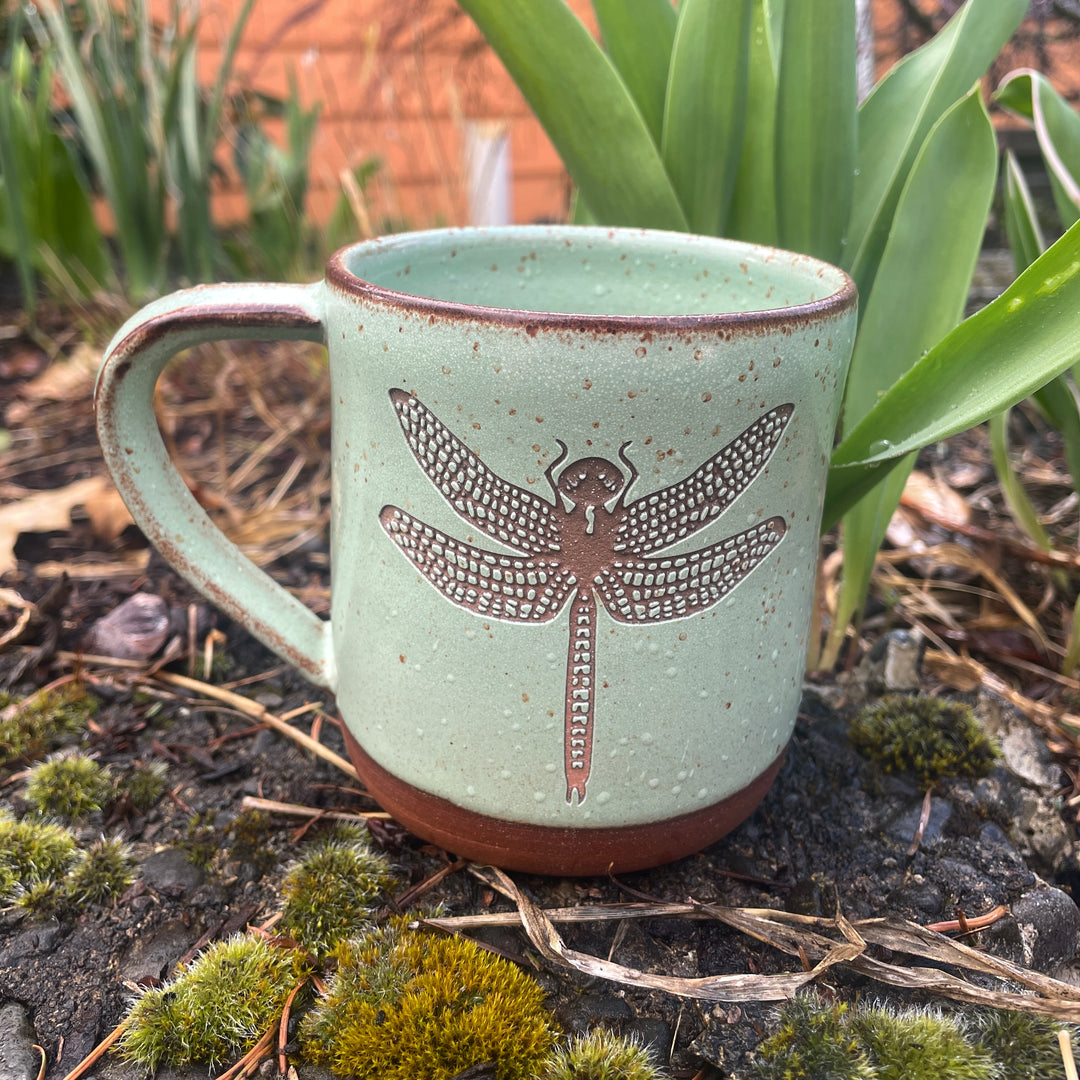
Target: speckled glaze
{"points": [[577, 482]]}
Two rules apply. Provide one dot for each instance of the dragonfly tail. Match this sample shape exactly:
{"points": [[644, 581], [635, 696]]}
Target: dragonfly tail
{"points": [[580, 693]]}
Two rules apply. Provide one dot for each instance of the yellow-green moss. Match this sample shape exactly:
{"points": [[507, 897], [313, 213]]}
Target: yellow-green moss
{"points": [[600, 1055], [32, 852], [33, 730], [145, 784], [814, 1040], [100, 873], [69, 786], [329, 891], [406, 1004], [1025, 1047], [920, 1045], [927, 736], [215, 1009]]}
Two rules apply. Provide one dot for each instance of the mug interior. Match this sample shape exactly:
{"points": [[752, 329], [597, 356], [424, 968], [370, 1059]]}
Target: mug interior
{"points": [[592, 271]]}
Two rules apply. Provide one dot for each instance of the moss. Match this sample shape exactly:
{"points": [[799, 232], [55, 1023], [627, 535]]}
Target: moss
{"points": [[101, 873], [145, 784], [329, 891], [814, 1040], [408, 1004], [202, 840], [69, 786], [600, 1055], [920, 1045], [34, 729], [1025, 1047], [927, 736], [32, 852], [248, 836], [216, 1008]]}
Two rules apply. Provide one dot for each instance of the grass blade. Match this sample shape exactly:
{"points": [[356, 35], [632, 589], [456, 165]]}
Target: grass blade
{"points": [[638, 38], [1021, 223], [898, 114], [816, 127], [705, 108], [1012, 488], [1035, 318], [585, 107]]}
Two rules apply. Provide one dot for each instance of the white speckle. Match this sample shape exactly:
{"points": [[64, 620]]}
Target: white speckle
{"points": [[550, 767], [515, 727], [670, 654], [682, 774], [603, 797], [646, 737], [676, 789], [654, 782], [451, 677], [470, 790], [653, 647], [507, 712], [443, 720], [551, 658], [416, 667], [671, 672], [702, 793], [420, 732], [724, 757], [505, 774], [470, 634], [776, 654], [623, 740], [539, 796], [614, 752], [776, 731], [703, 693]]}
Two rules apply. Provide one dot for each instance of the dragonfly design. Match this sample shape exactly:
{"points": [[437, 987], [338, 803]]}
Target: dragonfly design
{"points": [[588, 542]]}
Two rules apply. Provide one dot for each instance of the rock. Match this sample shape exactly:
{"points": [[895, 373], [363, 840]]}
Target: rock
{"points": [[152, 954], [133, 631], [19, 1060], [904, 826], [1043, 932], [892, 666], [587, 1010], [1039, 832], [1023, 749], [168, 871]]}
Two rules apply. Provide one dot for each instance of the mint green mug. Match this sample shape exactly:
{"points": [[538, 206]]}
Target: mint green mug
{"points": [[577, 484]]}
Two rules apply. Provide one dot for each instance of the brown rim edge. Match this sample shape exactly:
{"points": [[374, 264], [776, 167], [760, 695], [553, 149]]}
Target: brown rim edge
{"points": [[533, 322], [541, 849]]}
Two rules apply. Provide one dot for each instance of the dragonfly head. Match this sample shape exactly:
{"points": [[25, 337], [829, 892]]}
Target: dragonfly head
{"points": [[591, 481]]}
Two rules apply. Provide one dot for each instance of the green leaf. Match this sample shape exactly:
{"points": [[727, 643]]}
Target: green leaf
{"points": [[753, 203], [1023, 339], [585, 107], [1021, 223], [1012, 487], [815, 127], [1057, 127], [705, 108], [638, 38], [896, 117], [918, 297]]}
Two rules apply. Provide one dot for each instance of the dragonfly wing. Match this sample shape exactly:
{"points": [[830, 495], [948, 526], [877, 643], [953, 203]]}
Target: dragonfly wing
{"points": [[665, 517], [498, 586], [511, 514], [656, 590]]}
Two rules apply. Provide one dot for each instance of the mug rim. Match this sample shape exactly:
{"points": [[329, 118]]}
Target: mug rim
{"points": [[760, 320]]}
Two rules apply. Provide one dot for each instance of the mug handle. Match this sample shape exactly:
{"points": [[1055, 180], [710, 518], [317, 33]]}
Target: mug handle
{"points": [[154, 491]]}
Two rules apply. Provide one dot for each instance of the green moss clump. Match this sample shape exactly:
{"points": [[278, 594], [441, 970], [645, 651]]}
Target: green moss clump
{"points": [[32, 852], [214, 1010], [202, 840], [329, 891], [927, 736], [101, 872], [145, 785], [1024, 1046], [600, 1055], [814, 1041], [920, 1045], [69, 786], [406, 1004], [33, 729], [249, 833]]}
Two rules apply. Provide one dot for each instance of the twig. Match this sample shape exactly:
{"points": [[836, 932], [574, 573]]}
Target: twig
{"points": [[1067, 1055], [259, 712], [253, 802], [98, 1052]]}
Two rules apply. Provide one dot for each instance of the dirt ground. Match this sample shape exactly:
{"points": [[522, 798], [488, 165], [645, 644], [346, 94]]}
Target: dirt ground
{"points": [[833, 831]]}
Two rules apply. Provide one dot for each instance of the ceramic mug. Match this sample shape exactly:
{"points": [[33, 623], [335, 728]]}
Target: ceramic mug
{"points": [[576, 487]]}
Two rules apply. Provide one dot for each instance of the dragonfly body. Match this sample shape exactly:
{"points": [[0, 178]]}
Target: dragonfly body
{"points": [[587, 544]]}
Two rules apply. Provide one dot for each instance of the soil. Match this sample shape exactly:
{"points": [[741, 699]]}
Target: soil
{"points": [[834, 831]]}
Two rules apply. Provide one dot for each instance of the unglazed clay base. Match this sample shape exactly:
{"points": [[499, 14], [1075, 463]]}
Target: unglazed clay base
{"points": [[541, 849]]}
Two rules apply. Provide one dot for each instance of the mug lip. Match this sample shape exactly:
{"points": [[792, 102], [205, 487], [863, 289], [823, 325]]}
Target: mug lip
{"points": [[760, 320]]}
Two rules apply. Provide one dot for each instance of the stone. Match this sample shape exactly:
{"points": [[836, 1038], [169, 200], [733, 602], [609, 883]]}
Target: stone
{"points": [[1044, 931], [169, 871], [19, 1058]]}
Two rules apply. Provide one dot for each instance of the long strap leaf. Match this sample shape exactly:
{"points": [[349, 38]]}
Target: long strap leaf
{"points": [[585, 107], [705, 108], [638, 38], [938, 397], [896, 117]]}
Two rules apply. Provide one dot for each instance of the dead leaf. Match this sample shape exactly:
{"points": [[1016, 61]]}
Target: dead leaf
{"points": [[43, 511], [69, 379], [109, 517], [940, 502]]}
